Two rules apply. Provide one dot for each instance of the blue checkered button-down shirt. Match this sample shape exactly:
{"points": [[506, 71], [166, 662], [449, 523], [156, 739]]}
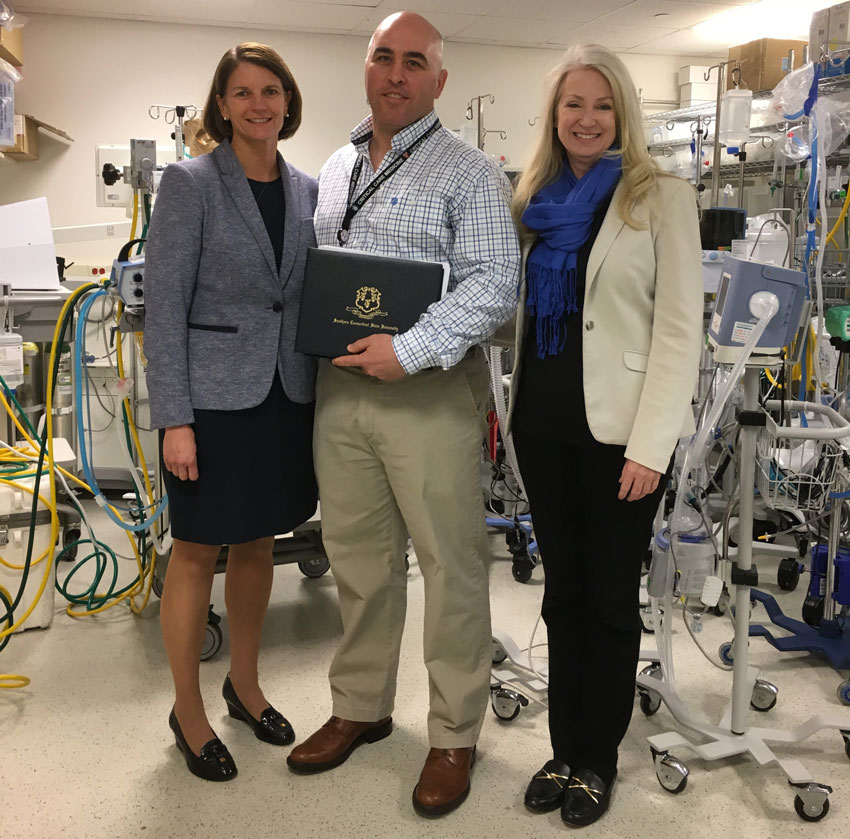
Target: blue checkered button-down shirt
{"points": [[447, 203]]}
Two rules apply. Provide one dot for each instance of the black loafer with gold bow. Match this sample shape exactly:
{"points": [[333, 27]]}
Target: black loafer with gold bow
{"points": [[214, 763], [587, 798], [548, 787], [272, 726]]}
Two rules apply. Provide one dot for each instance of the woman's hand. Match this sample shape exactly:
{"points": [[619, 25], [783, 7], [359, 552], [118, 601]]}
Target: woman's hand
{"points": [[179, 452], [637, 481]]}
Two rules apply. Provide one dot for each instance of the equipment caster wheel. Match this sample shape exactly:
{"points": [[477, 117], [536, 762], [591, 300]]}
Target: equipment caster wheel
{"points": [[156, 586], [788, 574], [213, 636], [812, 802], [650, 700], [506, 703], [725, 653], [672, 774], [844, 692], [69, 536], [498, 655], [314, 568], [522, 568], [764, 695], [813, 610], [813, 813]]}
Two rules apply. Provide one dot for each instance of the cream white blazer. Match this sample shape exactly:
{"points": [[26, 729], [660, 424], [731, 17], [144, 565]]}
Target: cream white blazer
{"points": [[642, 325]]}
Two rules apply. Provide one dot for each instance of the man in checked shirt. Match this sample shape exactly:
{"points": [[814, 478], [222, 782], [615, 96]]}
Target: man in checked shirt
{"points": [[399, 421]]}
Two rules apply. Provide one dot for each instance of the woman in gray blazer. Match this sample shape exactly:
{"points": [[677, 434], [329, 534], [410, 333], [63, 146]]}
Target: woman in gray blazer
{"points": [[608, 338], [224, 269]]}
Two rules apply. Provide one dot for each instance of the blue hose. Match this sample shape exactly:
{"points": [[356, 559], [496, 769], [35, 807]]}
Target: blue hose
{"points": [[100, 498]]}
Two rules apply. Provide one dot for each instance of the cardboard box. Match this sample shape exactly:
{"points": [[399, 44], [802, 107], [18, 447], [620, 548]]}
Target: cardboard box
{"points": [[26, 140], [687, 103], [12, 46], [692, 73], [837, 42], [762, 62], [26, 137], [7, 112], [703, 91], [818, 33], [839, 26]]}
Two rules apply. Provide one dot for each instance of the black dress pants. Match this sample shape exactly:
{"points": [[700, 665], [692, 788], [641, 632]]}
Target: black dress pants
{"points": [[592, 546]]}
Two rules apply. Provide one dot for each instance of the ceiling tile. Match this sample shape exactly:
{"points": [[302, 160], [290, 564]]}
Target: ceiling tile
{"points": [[319, 16], [506, 30], [609, 35], [365, 4], [685, 42], [86, 8], [447, 24], [558, 11], [728, 2], [194, 10], [675, 15], [550, 24], [468, 7]]}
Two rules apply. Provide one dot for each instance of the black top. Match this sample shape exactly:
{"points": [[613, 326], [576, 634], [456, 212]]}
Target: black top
{"points": [[550, 401], [272, 204]]}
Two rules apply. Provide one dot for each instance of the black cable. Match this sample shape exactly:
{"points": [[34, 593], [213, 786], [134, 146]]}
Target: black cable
{"points": [[124, 254]]}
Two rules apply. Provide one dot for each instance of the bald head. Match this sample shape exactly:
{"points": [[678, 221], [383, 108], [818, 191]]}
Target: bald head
{"points": [[404, 72], [415, 26]]}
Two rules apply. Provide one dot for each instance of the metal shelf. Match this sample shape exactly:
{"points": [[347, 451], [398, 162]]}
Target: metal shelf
{"points": [[752, 170], [831, 84], [683, 114], [765, 167]]}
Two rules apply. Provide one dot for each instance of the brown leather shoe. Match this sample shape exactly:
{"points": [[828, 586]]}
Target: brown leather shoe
{"points": [[444, 782], [334, 742]]}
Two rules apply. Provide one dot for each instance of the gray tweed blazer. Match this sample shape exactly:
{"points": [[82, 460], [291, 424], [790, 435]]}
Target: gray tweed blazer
{"points": [[219, 317]]}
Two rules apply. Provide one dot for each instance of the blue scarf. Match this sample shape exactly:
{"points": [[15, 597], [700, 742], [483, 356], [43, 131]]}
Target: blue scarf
{"points": [[562, 215]]}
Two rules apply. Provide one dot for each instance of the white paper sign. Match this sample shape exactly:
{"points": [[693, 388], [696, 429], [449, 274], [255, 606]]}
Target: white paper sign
{"points": [[7, 112], [27, 253]]}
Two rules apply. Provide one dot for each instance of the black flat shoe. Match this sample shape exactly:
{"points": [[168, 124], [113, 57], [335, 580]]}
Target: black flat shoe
{"points": [[214, 763], [548, 787], [587, 798], [272, 727]]}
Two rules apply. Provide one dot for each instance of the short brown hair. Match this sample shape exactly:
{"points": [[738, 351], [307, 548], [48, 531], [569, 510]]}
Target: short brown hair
{"points": [[216, 125]]}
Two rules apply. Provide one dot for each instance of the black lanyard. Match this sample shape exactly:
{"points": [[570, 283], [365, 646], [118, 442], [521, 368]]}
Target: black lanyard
{"points": [[354, 206]]}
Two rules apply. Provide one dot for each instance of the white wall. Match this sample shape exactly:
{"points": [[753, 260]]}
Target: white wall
{"points": [[95, 79]]}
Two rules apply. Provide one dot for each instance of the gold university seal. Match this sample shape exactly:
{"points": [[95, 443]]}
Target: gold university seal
{"points": [[367, 303]]}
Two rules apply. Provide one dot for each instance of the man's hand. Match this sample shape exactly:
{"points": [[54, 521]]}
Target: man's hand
{"points": [[636, 481], [179, 452], [375, 356]]}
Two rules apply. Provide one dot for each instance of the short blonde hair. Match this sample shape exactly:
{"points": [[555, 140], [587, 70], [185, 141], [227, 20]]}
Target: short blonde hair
{"points": [[640, 172]]}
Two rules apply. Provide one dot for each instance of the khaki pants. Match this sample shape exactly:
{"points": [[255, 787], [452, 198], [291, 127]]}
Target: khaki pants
{"points": [[392, 458]]}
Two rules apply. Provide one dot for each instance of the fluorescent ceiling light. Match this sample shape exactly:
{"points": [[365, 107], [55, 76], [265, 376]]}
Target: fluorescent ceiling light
{"points": [[767, 19]]}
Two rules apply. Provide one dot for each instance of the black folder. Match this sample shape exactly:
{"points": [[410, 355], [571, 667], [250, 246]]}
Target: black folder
{"points": [[349, 294]]}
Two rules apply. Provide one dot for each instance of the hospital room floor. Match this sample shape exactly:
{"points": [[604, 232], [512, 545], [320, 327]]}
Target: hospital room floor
{"points": [[86, 750]]}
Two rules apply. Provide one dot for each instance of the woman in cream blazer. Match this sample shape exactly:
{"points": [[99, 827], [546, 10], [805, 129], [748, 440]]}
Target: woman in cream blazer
{"points": [[642, 325], [608, 338]]}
